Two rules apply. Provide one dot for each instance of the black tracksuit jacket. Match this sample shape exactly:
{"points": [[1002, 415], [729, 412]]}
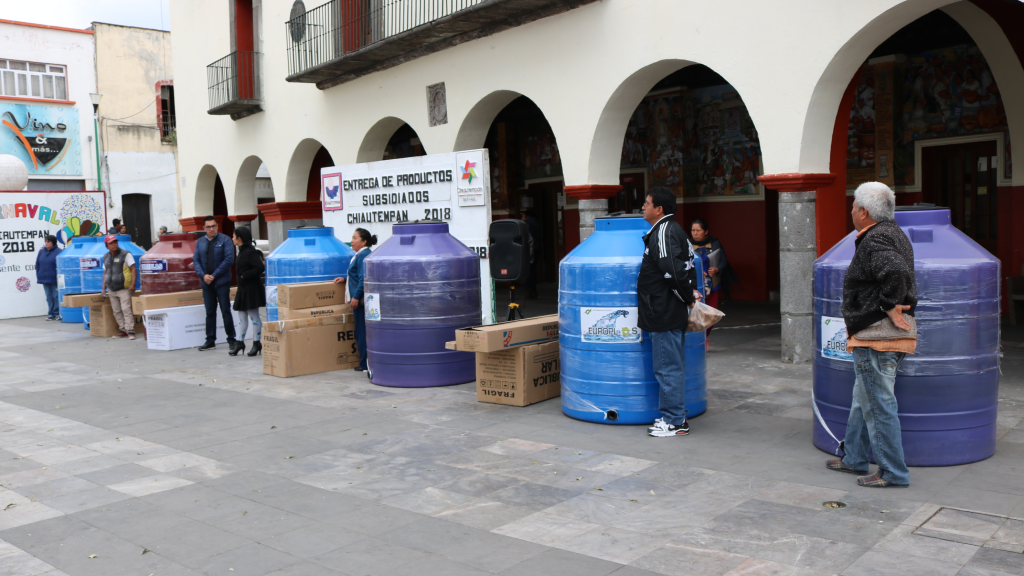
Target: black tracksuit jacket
{"points": [[667, 278]]}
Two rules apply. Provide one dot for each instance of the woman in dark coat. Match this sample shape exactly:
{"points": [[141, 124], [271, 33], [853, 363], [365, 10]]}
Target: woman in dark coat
{"points": [[718, 275], [251, 295]]}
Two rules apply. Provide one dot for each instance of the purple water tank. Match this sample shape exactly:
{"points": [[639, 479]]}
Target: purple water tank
{"points": [[948, 391], [426, 284]]}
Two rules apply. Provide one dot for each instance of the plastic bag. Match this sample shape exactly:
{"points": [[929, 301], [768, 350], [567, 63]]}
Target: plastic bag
{"points": [[703, 317]]}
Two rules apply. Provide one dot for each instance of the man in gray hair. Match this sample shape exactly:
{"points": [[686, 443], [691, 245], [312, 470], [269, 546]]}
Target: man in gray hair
{"points": [[879, 297]]}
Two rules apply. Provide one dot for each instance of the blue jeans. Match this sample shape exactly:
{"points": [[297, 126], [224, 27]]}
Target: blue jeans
{"points": [[360, 314], [212, 296], [52, 304], [873, 419], [244, 316], [670, 370]]}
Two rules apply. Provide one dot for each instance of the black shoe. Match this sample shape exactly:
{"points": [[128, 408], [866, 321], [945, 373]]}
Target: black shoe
{"points": [[257, 348], [207, 346], [360, 368], [235, 347]]}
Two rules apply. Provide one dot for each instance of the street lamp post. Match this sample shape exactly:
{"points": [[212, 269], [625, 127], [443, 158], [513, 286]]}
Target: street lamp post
{"points": [[96, 134]]}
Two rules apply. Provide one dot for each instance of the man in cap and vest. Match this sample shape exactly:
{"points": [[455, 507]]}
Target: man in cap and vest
{"points": [[119, 277]]}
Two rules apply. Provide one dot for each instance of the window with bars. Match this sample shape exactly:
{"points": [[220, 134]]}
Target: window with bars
{"points": [[166, 112], [33, 80]]}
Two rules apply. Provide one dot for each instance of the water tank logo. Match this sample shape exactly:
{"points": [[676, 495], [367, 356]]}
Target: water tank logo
{"points": [[610, 326]]}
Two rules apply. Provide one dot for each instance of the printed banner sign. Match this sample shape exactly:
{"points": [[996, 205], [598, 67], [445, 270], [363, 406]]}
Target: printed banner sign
{"points": [[152, 266], [833, 339], [610, 326], [45, 138], [454, 188], [26, 218], [371, 305]]}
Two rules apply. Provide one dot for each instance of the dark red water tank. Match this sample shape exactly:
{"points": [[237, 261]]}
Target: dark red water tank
{"points": [[167, 267]]}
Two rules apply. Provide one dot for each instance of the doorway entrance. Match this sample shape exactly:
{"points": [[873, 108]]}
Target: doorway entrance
{"points": [[136, 217], [963, 177]]}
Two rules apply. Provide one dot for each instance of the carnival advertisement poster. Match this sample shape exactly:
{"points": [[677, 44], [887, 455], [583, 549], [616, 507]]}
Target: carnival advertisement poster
{"points": [[26, 218]]}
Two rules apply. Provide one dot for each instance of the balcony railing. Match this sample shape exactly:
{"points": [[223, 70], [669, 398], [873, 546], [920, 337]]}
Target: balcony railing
{"points": [[386, 33], [235, 84]]}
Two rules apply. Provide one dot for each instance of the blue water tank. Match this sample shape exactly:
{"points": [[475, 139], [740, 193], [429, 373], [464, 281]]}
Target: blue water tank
{"points": [[92, 262], [948, 391], [69, 273], [608, 375], [426, 285], [310, 254]]}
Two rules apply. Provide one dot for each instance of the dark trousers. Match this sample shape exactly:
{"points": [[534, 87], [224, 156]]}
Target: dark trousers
{"points": [[52, 303], [213, 295], [360, 313]]}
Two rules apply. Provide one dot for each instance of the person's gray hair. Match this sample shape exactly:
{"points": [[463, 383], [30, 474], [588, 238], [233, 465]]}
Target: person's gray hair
{"points": [[878, 199]]}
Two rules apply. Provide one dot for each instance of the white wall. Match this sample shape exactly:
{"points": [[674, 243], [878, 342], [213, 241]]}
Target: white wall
{"points": [[75, 50], [586, 69], [149, 173]]}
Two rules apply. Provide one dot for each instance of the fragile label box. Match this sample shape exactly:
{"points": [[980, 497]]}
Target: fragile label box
{"points": [[319, 311], [507, 334], [310, 295], [300, 347], [519, 376], [101, 320], [181, 327], [172, 300]]}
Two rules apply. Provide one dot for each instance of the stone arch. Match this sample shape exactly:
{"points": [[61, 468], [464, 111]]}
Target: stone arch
{"points": [[243, 200], [376, 139], [476, 124], [819, 121], [297, 178], [205, 183]]}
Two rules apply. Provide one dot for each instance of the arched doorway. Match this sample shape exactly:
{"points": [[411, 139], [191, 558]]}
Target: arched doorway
{"points": [[404, 143], [691, 132], [527, 182], [390, 138], [252, 187], [207, 184], [930, 111]]}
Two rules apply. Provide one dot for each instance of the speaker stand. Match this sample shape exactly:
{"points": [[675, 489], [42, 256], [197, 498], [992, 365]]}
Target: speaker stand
{"points": [[513, 308]]}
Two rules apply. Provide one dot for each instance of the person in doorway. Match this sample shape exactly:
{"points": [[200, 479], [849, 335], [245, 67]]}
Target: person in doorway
{"points": [[666, 289], [123, 230], [212, 259], [46, 275], [537, 235], [115, 227], [362, 241], [163, 230], [718, 275], [251, 294], [119, 274], [879, 297]]}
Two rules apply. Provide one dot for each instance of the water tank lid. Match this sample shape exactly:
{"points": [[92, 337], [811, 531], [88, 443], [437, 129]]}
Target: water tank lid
{"points": [[624, 222], [920, 206], [310, 232], [175, 237], [420, 227], [621, 215]]}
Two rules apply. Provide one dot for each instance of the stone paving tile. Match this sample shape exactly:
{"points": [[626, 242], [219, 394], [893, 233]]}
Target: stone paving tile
{"points": [[961, 526], [547, 529], [759, 567], [562, 563], [677, 559], [884, 563], [484, 514]]}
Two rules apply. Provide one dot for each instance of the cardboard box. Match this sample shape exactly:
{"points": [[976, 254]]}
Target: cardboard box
{"points": [[507, 334], [181, 327], [305, 313], [101, 320], [520, 376], [173, 300], [80, 300], [310, 295], [137, 304], [300, 347]]}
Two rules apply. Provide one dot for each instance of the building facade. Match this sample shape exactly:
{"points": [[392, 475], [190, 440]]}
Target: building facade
{"points": [[761, 117], [47, 74], [137, 128]]}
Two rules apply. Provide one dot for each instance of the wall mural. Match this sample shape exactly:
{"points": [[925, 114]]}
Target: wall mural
{"points": [[45, 138], [698, 142], [939, 94]]}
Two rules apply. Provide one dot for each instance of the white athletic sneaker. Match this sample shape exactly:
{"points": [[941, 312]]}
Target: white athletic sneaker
{"points": [[657, 424], [666, 430]]}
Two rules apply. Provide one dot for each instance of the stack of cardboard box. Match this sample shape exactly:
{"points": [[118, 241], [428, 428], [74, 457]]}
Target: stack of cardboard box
{"points": [[101, 315], [315, 332], [175, 320], [517, 362]]}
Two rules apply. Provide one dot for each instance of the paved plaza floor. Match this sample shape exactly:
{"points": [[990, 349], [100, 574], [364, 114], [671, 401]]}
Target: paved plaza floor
{"points": [[117, 460]]}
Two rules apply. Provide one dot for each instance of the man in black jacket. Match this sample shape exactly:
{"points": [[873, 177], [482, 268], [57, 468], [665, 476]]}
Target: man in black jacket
{"points": [[879, 288], [666, 289]]}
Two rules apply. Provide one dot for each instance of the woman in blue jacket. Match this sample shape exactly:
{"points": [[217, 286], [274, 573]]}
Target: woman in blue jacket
{"points": [[362, 240], [46, 274]]}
